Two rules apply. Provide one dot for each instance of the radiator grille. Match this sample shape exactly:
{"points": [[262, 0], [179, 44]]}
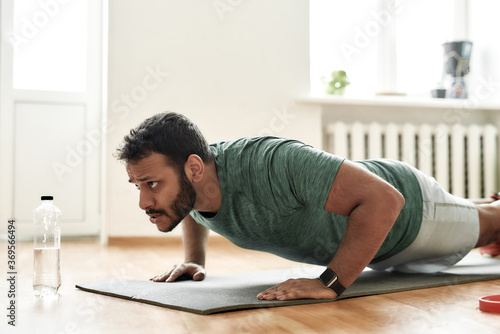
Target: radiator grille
{"points": [[463, 159]]}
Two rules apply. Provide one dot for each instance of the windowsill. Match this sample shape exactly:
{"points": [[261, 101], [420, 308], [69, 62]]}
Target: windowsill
{"points": [[399, 101]]}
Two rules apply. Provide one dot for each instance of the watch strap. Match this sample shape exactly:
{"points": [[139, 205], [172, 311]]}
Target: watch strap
{"points": [[330, 279]]}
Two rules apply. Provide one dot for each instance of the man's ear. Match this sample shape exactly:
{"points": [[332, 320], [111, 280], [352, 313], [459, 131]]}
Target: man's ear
{"points": [[194, 168]]}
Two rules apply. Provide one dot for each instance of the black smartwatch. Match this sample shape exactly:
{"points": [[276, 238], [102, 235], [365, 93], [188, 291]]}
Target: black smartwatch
{"points": [[330, 279]]}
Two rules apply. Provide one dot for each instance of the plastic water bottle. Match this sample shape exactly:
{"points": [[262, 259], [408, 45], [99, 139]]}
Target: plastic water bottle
{"points": [[47, 246]]}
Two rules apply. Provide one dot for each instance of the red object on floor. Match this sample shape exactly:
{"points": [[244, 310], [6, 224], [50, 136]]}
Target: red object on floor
{"points": [[492, 249], [490, 303]]}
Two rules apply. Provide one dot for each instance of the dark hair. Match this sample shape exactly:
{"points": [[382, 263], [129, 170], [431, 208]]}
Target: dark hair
{"points": [[170, 134]]}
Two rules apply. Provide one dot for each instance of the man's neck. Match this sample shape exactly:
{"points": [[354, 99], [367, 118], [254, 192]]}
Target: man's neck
{"points": [[208, 192]]}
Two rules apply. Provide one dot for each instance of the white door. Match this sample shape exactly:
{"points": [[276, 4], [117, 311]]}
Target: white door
{"points": [[51, 134]]}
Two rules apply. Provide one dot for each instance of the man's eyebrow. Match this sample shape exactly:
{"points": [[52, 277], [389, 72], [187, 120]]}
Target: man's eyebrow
{"points": [[140, 180]]}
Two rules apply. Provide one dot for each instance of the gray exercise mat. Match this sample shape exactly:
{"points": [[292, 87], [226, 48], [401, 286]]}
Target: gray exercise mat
{"points": [[219, 293]]}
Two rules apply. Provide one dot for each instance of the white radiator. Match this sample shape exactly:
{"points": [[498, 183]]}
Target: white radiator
{"points": [[463, 159]]}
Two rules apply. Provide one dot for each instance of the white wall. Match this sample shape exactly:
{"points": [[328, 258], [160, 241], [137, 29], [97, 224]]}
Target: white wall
{"points": [[233, 67]]}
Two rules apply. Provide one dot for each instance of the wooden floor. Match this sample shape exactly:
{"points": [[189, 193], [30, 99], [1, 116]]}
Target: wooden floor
{"points": [[451, 309]]}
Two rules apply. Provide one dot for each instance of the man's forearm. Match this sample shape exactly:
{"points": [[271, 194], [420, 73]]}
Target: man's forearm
{"points": [[194, 237], [367, 227]]}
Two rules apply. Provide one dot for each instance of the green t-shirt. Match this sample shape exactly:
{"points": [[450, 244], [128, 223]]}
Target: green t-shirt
{"points": [[274, 192]]}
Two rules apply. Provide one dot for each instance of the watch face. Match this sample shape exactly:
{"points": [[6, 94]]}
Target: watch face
{"points": [[328, 277], [331, 280]]}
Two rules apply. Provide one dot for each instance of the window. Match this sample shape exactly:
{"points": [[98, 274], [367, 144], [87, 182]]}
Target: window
{"points": [[384, 46], [421, 29], [337, 43], [50, 45]]}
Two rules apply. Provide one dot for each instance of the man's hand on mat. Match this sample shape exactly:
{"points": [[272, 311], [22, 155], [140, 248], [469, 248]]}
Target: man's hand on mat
{"points": [[298, 289], [190, 269]]}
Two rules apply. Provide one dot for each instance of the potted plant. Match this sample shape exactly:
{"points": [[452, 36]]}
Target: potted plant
{"points": [[337, 83]]}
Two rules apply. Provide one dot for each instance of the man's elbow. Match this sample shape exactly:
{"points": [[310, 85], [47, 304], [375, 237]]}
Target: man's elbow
{"points": [[397, 200]]}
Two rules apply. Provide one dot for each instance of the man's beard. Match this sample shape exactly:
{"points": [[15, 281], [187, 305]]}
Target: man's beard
{"points": [[182, 205]]}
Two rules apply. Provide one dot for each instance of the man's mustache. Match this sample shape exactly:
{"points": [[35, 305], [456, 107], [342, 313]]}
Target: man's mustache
{"points": [[153, 212]]}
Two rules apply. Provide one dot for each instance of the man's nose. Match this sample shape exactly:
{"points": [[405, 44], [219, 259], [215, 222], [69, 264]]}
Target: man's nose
{"points": [[145, 200]]}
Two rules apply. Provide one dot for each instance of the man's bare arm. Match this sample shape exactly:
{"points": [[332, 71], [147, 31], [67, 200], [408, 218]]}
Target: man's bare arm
{"points": [[372, 206], [194, 237]]}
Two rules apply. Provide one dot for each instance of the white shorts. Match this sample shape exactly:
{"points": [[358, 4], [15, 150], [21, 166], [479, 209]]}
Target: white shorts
{"points": [[449, 230]]}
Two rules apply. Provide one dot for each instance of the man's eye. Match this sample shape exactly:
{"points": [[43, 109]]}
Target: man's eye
{"points": [[153, 184]]}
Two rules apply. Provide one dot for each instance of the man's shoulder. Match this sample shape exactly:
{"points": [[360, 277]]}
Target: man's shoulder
{"points": [[255, 142], [251, 156], [250, 140]]}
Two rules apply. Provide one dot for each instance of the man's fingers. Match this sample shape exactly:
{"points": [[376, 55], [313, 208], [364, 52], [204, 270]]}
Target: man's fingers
{"points": [[199, 275], [196, 272], [161, 277], [297, 289], [165, 276], [269, 294], [177, 272]]}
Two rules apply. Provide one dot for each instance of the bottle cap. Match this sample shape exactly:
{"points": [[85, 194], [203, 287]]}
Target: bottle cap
{"points": [[490, 303], [47, 198]]}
